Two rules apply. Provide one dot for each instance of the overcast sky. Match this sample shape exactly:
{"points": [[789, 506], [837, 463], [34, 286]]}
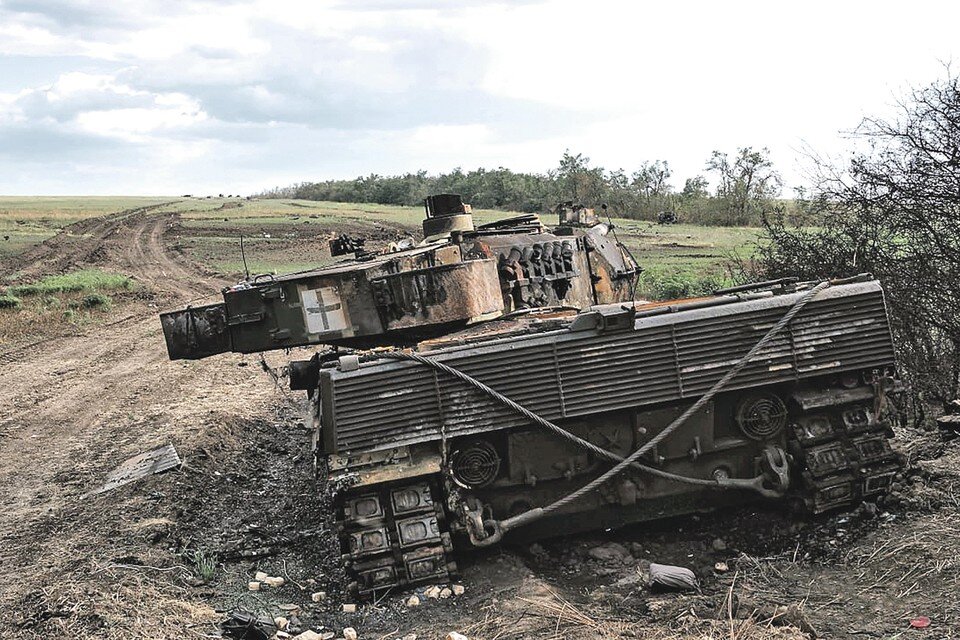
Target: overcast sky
{"points": [[167, 97]]}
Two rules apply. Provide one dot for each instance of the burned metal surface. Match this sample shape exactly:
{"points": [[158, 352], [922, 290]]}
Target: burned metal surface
{"points": [[460, 275], [803, 420], [445, 293], [949, 424], [196, 332], [396, 534], [345, 244]]}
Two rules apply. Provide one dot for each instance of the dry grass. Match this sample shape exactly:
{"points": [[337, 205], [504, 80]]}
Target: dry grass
{"points": [[128, 601], [48, 315], [542, 614]]}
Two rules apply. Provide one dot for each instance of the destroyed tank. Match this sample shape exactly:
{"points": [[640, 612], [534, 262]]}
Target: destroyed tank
{"points": [[519, 409], [459, 275]]}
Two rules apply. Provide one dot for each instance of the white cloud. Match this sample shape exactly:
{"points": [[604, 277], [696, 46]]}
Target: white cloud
{"points": [[133, 124], [10, 111], [97, 104], [193, 94], [70, 85], [20, 39]]}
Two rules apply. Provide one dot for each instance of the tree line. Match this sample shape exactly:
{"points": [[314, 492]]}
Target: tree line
{"points": [[747, 186]]}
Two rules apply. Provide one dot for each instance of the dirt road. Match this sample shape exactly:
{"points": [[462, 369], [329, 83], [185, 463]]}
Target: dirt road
{"points": [[71, 408]]}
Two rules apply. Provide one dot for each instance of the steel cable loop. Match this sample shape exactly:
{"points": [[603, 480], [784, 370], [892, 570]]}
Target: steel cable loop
{"points": [[631, 460], [692, 409]]}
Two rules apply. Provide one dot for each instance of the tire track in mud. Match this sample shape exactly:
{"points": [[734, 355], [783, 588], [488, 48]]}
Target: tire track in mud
{"points": [[145, 257], [77, 243], [130, 242]]}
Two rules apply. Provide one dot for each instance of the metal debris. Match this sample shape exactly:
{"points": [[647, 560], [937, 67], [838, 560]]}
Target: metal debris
{"points": [[949, 424], [149, 463], [243, 625]]}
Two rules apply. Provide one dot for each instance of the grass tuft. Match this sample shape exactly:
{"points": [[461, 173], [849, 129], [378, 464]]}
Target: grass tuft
{"points": [[679, 285], [85, 280], [8, 301], [204, 563]]}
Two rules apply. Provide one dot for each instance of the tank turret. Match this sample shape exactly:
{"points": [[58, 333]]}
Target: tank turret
{"points": [[459, 275]]}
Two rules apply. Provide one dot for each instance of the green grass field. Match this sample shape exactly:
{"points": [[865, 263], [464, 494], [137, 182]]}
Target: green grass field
{"points": [[56, 302], [684, 260], [291, 235]]}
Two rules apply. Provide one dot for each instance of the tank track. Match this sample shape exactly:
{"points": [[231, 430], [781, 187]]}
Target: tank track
{"points": [[843, 456], [394, 535]]}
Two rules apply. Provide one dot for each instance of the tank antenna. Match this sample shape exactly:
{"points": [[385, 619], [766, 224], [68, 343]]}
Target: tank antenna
{"points": [[243, 255]]}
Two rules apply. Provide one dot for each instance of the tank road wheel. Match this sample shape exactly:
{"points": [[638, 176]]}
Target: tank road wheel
{"points": [[393, 536]]}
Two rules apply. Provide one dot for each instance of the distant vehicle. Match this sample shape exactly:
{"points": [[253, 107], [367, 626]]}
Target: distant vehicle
{"points": [[667, 217]]}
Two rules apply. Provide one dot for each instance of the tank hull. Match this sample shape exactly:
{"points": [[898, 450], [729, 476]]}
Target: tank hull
{"points": [[813, 401]]}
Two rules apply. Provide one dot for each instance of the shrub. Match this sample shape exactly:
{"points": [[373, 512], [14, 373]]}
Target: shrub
{"points": [[679, 285], [894, 211], [95, 301], [8, 301]]}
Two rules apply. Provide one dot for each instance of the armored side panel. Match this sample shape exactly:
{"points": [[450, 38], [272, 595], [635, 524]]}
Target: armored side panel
{"points": [[668, 354], [804, 423]]}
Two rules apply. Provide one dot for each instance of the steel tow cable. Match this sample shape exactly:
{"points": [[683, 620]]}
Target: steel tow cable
{"points": [[631, 460], [536, 418]]}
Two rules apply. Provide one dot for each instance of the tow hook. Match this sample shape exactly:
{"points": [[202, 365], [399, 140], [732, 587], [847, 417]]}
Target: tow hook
{"points": [[482, 533], [776, 468], [492, 533]]}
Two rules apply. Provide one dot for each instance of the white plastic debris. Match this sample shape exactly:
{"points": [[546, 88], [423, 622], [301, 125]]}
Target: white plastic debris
{"points": [[670, 577]]}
